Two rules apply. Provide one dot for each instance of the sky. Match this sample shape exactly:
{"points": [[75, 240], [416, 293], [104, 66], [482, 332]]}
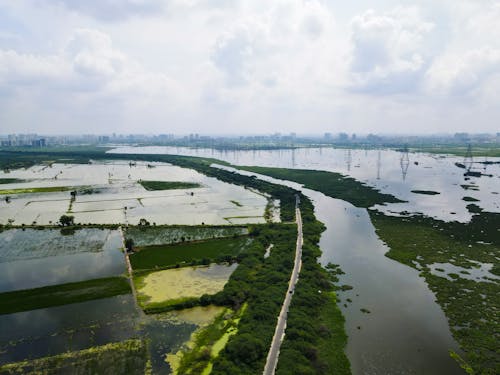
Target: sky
{"points": [[249, 67]]}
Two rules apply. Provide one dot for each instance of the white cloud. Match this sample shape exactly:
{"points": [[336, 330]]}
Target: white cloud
{"points": [[462, 73], [388, 52], [113, 10]]}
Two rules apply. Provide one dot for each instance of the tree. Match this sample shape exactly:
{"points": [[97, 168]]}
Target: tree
{"points": [[143, 222], [67, 220], [129, 244]]}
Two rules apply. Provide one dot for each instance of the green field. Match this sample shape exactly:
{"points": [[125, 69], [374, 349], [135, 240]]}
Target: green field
{"points": [[48, 296], [162, 256], [125, 357], [168, 185], [332, 184]]}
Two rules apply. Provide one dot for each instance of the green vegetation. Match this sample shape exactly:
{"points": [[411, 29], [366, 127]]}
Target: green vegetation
{"points": [[67, 220], [126, 357], [469, 187], [11, 180], [425, 192], [471, 306], [49, 189], [315, 337], [63, 294], [236, 203], [171, 234], [205, 252], [168, 185], [332, 184], [470, 199], [209, 342]]}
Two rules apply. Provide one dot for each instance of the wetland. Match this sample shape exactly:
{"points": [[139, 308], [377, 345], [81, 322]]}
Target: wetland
{"points": [[409, 281]]}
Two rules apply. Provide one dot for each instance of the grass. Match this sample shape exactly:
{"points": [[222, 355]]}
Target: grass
{"points": [[168, 185], [332, 184], [48, 296], [161, 256], [125, 357], [49, 189], [236, 203], [471, 306], [425, 192]]}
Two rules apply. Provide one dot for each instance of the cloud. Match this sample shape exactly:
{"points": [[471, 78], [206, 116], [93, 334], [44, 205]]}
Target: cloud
{"points": [[92, 54], [462, 73], [388, 50], [278, 47], [113, 10]]}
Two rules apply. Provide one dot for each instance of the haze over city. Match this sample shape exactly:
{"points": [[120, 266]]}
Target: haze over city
{"points": [[246, 67]]}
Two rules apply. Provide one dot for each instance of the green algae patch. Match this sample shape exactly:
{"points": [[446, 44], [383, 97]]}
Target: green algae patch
{"points": [[56, 295], [180, 285], [205, 345], [168, 185], [126, 357], [199, 315]]}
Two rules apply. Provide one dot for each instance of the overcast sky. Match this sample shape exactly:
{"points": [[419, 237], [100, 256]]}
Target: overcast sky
{"points": [[256, 66]]}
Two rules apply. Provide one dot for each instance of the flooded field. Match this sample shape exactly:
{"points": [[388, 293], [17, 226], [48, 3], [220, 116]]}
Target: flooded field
{"points": [[390, 171], [110, 193], [165, 236], [31, 258], [44, 332], [187, 282]]}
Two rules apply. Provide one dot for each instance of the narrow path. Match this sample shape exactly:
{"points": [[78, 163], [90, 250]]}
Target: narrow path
{"points": [[279, 333], [129, 269]]}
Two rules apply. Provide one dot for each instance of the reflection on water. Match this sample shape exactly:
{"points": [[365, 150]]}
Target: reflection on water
{"points": [[34, 258], [50, 331], [405, 331], [110, 193]]}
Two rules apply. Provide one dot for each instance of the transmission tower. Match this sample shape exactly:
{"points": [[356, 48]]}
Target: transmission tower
{"points": [[404, 162], [379, 163], [348, 159], [468, 160]]}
